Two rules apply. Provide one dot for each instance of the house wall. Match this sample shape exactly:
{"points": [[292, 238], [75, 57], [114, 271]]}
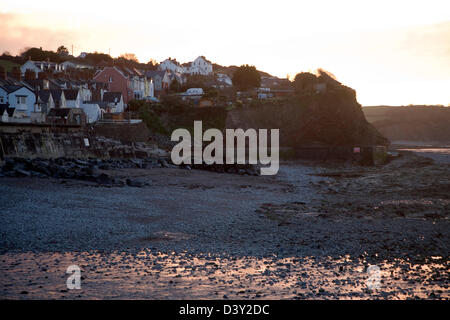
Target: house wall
{"points": [[149, 88], [117, 107], [157, 83], [200, 66], [30, 101], [74, 103], [3, 96], [119, 82], [170, 65], [29, 65]]}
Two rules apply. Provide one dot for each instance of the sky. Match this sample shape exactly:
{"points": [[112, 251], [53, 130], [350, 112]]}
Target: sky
{"points": [[391, 52]]}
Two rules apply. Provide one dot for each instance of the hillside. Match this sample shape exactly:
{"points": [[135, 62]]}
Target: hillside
{"points": [[217, 68], [412, 123], [333, 118], [8, 65]]}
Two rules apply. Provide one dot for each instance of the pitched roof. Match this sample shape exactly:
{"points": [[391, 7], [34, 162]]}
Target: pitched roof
{"points": [[56, 94], [39, 83], [203, 57], [112, 96], [153, 73], [44, 95], [5, 106], [11, 88], [71, 94], [173, 60]]}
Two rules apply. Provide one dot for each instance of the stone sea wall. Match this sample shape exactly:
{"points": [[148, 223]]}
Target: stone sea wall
{"points": [[46, 142]]}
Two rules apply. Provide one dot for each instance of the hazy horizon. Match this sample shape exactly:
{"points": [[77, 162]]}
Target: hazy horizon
{"points": [[390, 53]]}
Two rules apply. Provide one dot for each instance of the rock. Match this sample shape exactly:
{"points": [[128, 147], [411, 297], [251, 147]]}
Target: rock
{"points": [[91, 170], [43, 170], [82, 163], [133, 183], [9, 165], [22, 173], [103, 179], [164, 163], [231, 170]]}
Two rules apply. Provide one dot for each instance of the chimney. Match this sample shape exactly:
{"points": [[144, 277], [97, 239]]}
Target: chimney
{"points": [[16, 74]]}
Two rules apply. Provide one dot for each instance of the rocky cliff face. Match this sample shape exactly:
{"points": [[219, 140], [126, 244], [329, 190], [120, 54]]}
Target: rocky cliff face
{"points": [[29, 142], [332, 118]]}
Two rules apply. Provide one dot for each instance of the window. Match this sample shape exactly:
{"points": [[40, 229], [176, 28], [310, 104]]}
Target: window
{"points": [[21, 100], [110, 79], [2, 99]]}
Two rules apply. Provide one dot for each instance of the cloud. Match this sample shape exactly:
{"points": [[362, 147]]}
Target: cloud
{"points": [[17, 35]]}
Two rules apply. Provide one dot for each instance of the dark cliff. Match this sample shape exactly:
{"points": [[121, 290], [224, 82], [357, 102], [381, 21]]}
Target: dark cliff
{"points": [[331, 118]]}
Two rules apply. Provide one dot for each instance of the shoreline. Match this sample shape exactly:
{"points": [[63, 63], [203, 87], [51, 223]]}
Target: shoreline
{"points": [[185, 229]]}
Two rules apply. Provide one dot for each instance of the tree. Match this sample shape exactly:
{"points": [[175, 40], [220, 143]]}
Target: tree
{"points": [[129, 56], [304, 81], [152, 64], [246, 77], [175, 86], [62, 51], [37, 54]]}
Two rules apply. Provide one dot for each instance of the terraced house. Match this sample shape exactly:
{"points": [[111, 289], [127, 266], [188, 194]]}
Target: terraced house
{"points": [[20, 98], [132, 83]]}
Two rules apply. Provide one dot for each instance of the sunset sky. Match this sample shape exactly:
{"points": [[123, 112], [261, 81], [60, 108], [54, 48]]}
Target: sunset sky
{"points": [[391, 52]]}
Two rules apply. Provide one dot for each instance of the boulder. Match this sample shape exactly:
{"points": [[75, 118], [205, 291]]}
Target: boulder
{"points": [[104, 179], [134, 183]]}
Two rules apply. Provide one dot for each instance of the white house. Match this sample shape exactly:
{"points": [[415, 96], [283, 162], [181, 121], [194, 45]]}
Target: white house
{"points": [[114, 102], [225, 79], [45, 101], [200, 66], [73, 98], [92, 111], [172, 65], [20, 98], [74, 65], [58, 98], [39, 66]]}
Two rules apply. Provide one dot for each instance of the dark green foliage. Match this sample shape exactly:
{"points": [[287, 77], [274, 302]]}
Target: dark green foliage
{"points": [[97, 58], [304, 81], [38, 54], [62, 51], [246, 77], [151, 118], [175, 86]]}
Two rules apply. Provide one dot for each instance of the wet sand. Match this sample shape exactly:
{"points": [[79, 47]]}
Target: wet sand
{"points": [[309, 232]]}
